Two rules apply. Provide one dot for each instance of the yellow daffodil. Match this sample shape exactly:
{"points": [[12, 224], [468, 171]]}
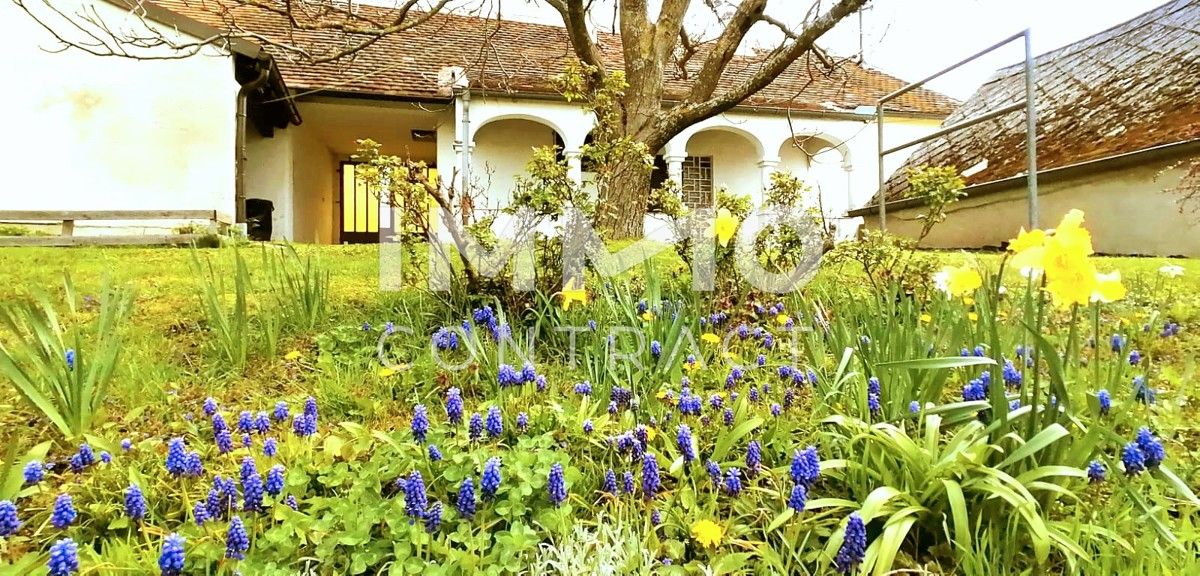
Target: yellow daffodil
{"points": [[957, 280], [724, 226], [782, 319], [1108, 287], [571, 293], [710, 338], [293, 355], [647, 315], [708, 533], [1026, 240], [1070, 275]]}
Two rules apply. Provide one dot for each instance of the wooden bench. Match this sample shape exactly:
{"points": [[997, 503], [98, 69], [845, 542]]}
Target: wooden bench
{"points": [[68, 218]]}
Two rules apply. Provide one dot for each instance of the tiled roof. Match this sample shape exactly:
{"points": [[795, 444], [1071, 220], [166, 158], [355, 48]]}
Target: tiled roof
{"points": [[1132, 87], [519, 57]]}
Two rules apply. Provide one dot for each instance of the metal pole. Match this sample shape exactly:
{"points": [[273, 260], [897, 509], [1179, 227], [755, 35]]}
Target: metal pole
{"points": [[879, 158], [1031, 132]]}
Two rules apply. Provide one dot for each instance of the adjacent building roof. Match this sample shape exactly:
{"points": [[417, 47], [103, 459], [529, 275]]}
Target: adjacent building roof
{"points": [[521, 58], [1130, 88]]}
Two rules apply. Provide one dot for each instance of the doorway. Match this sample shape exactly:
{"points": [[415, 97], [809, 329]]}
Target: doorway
{"points": [[362, 219]]}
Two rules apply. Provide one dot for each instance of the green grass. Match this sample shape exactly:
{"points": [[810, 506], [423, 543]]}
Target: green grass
{"points": [[168, 365]]}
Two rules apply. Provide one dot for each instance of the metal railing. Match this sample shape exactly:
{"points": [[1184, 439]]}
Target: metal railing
{"points": [[1029, 104]]}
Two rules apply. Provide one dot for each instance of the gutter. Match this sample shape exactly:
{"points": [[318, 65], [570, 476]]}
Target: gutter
{"points": [[239, 145], [1058, 174]]}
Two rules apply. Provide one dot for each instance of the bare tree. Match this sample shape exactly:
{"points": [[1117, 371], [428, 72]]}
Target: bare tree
{"points": [[649, 48], [310, 26]]}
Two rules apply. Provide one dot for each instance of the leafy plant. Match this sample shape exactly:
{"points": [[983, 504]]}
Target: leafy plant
{"points": [[300, 286], [228, 321], [64, 372]]}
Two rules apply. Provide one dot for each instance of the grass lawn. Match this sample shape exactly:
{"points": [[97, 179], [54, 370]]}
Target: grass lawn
{"points": [[349, 514]]}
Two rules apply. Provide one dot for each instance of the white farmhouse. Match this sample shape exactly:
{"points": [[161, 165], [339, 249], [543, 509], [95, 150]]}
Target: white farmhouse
{"points": [[108, 133]]}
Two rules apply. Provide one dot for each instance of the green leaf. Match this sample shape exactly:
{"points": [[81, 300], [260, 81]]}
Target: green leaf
{"points": [[937, 363]]}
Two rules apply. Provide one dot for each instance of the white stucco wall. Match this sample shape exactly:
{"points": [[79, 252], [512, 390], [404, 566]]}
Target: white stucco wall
{"points": [[838, 159], [1127, 212], [315, 177], [269, 175], [502, 151], [735, 161], [106, 133]]}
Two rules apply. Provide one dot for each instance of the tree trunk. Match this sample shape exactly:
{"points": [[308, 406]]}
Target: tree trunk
{"points": [[621, 211]]}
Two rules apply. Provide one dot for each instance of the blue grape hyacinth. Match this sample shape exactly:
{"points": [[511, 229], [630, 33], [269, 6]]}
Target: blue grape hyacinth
{"points": [[507, 376], [495, 426], [475, 427], [651, 482], [64, 512], [270, 447], [753, 458], [245, 422], [432, 519], [135, 503], [610, 482], [806, 466], [1133, 459], [1151, 447], [420, 423], [280, 413], [683, 438], [415, 497], [466, 498], [210, 406], [798, 499], [714, 472], [34, 472], [489, 483], [1096, 472], [64, 558], [304, 425], [200, 513], [1105, 400], [10, 522], [522, 421], [252, 485], [556, 485], [854, 545], [454, 406], [733, 482], [275, 479], [435, 455], [172, 557], [237, 542]]}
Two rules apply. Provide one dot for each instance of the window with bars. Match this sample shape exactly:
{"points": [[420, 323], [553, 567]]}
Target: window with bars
{"points": [[697, 182]]}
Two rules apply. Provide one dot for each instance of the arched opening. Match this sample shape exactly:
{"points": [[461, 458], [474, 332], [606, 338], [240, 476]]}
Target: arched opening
{"points": [[720, 159], [820, 163], [503, 147]]}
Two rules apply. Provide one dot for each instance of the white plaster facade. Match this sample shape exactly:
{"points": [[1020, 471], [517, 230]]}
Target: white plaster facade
{"points": [[120, 134], [89, 132], [1129, 211]]}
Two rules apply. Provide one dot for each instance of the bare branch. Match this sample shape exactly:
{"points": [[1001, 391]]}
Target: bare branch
{"points": [[774, 65], [726, 46]]}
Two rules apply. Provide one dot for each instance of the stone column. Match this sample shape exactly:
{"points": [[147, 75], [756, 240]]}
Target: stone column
{"points": [[574, 166], [766, 167], [675, 168]]}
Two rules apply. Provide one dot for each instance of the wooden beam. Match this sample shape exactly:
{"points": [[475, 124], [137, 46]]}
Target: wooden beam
{"points": [[60, 215], [114, 240]]}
